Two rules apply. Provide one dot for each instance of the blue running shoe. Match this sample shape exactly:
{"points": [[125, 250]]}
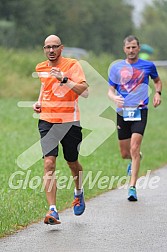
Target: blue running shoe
{"points": [[132, 196], [129, 169], [78, 204], [52, 217]]}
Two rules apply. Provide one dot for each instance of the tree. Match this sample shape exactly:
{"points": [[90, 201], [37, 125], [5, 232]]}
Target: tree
{"points": [[91, 24], [153, 28], [95, 25]]}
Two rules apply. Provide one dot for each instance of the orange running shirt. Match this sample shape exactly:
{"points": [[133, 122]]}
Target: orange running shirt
{"points": [[59, 103]]}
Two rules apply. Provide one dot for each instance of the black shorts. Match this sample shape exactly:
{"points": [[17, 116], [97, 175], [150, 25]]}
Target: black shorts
{"points": [[127, 128], [68, 134]]}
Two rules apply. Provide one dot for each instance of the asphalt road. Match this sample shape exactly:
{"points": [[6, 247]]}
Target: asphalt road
{"points": [[110, 223]]}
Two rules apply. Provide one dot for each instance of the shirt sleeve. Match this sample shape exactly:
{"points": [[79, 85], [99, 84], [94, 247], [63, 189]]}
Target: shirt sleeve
{"points": [[76, 73], [154, 73], [112, 76]]}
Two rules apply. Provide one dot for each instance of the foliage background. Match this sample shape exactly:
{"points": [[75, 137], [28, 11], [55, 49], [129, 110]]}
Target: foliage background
{"points": [[94, 25], [90, 24]]}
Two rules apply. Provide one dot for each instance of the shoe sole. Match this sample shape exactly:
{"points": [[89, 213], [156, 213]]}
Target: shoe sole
{"points": [[131, 198], [78, 214], [51, 220]]}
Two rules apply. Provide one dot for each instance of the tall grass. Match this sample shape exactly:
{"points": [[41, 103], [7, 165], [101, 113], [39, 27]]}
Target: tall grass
{"points": [[19, 207], [17, 67]]}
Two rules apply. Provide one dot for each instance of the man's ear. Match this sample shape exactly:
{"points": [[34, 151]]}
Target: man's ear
{"points": [[62, 47]]}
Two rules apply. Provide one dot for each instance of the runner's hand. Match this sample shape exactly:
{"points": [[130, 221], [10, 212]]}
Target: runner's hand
{"points": [[56, 73], [119, 100], [156, 100], [37, 107]]}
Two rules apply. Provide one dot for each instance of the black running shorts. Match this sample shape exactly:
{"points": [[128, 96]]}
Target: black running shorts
{"points": [[127, 128], [68, 134]]}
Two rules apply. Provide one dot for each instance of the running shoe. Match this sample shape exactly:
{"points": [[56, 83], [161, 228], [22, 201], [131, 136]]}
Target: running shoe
{"points": [[52, 217], [129, 167], [78, 204], [132, 195]]}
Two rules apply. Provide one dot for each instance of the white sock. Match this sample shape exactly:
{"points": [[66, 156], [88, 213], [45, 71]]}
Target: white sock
{"points": [[78, 191], [53, 207]]}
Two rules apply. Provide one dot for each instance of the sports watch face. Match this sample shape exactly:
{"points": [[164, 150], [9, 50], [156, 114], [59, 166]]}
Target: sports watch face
{"points": [[65, 79]]}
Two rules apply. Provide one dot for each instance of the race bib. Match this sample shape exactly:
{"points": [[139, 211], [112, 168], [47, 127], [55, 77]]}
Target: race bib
{"points": [[131, 114]]}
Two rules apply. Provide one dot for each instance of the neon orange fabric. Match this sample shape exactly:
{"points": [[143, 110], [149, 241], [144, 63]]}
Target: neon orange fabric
{"points": [[60, 103]]}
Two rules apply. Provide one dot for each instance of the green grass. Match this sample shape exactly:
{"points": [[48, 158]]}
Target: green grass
{"points": [[20, 207], [16, 75]]}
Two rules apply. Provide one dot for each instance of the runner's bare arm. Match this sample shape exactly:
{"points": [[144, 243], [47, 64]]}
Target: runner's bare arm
{"points": [[118, 99], [158, 89], [37, 105]]}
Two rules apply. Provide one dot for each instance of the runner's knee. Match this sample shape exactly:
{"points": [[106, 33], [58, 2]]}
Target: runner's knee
{"points": [[49, 164]]}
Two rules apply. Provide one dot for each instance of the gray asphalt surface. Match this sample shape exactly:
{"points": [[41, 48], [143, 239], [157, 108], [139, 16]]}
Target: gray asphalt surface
{"points": [[110, 223]]}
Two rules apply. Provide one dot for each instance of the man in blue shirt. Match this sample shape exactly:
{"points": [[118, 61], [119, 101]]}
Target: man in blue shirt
{"points": [[129, 89]]}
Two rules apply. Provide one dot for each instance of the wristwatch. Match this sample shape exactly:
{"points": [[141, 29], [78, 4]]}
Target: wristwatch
{"points": [[159, 92], [64, 80]]}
